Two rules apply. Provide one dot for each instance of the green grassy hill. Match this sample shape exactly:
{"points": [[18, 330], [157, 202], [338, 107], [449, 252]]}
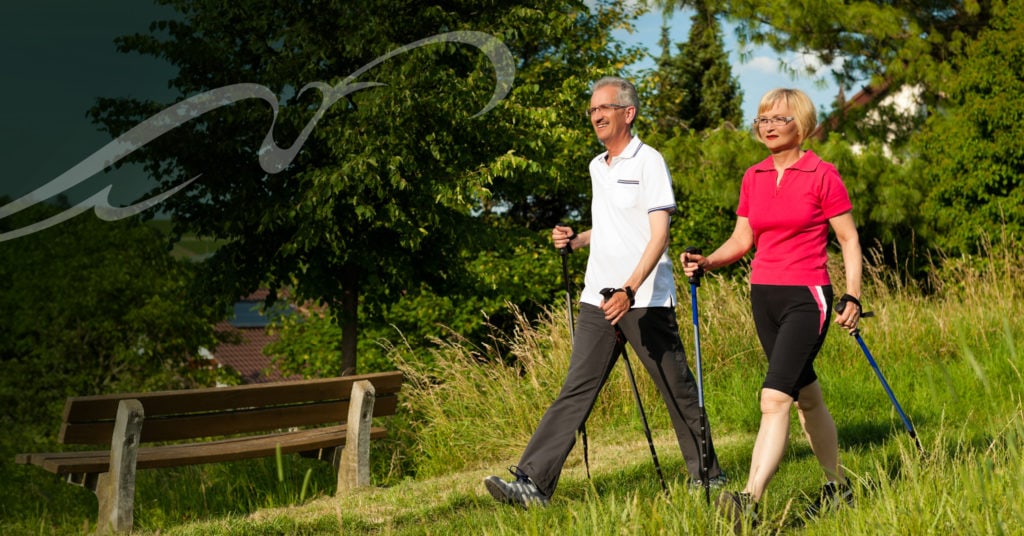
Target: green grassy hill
{"points": [[952, 358], [190, 246]]}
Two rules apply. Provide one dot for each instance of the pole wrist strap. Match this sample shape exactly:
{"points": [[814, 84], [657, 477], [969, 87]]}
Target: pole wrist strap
{"points": [[608, 292], [846, 298]]}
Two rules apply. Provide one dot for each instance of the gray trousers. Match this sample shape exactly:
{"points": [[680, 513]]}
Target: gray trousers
{"points": [[653, 333]]}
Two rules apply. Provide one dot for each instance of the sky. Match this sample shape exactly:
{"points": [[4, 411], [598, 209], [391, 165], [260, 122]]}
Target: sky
{"points": [[759, 74], [58, 57]]}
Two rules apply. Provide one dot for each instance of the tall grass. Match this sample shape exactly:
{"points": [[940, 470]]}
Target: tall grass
{"points": [[951, 356]]}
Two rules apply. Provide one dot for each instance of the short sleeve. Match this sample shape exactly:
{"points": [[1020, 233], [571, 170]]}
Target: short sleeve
{"points": [[835, 199], [657, 183]]}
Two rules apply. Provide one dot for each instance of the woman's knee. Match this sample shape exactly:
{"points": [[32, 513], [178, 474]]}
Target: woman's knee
{"points": [[810, 398], [773, 401]]}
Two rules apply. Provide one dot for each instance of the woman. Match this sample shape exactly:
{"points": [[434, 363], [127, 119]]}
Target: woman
{"points": [[787, 203]]}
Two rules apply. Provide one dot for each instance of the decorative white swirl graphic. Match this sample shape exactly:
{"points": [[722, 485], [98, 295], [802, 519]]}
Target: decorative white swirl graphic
{"points": [[273, 158]]}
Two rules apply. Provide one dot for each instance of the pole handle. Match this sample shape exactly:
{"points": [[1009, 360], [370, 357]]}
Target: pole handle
{"points": [[841, 306], [568, 247], [695, 278]]}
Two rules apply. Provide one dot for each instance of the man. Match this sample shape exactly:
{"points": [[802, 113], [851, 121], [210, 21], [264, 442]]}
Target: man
{"points": [[632, 203]]}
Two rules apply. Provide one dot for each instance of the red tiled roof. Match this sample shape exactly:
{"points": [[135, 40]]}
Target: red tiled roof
{"points": [[867, 95], [247, 356], [257, 296]]}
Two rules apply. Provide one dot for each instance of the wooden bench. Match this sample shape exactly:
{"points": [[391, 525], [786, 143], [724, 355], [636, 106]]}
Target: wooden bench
{"points": [[196, 426]]}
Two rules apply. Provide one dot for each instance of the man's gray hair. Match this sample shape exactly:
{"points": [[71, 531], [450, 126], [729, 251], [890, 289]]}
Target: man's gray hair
{"points": [[626, 94]]}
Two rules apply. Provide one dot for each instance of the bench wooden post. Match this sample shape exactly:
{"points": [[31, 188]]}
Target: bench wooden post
{"points": [[354, 468], [115, 489]]}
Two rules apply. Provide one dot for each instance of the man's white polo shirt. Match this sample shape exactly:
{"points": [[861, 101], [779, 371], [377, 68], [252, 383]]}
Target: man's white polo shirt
{"points": [[636, 183]]}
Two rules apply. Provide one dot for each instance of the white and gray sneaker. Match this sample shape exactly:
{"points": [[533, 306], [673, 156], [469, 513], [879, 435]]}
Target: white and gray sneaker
{"points": [[714, 483], [521, 491]]}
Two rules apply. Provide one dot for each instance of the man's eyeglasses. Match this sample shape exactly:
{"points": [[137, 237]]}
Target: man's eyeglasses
{"points": [[778, 121], [605, 108]]}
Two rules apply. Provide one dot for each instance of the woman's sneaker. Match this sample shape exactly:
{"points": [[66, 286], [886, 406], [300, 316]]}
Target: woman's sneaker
{"points": [[738, 508], [833, 495], [521, 491]]}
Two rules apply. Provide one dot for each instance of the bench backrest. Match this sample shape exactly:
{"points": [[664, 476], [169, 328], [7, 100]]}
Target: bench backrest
{"points": [[217, 411]]}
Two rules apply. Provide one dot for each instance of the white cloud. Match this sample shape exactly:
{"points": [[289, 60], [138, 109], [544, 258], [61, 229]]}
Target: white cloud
{"points": [[804, 63], [758, 65]]}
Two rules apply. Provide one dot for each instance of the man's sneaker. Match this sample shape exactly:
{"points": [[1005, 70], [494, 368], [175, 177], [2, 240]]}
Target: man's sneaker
{"points": [[833, 495], [738, 508], [715, 482], [521, 491]]}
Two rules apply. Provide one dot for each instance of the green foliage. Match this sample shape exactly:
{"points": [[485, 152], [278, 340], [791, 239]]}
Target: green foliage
{"points": [[308, 343], [399, 182], [707, 168], [902, 41], [92, 307], [971, 151], [694, 89], [886, 197]]}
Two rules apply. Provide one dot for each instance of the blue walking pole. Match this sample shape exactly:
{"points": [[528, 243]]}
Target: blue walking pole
{"points": [[874, 365], [694, 283]]}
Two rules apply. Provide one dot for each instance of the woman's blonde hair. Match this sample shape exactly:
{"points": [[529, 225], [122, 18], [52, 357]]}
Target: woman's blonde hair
{"points": [[800, 106]]}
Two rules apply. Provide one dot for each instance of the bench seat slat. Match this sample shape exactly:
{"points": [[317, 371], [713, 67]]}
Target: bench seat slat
{"points": [[192, 426], [157, 403], [98, 461]]}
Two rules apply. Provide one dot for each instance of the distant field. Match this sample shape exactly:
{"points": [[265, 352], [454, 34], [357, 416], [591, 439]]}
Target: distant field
{"points": [[190, 246]]}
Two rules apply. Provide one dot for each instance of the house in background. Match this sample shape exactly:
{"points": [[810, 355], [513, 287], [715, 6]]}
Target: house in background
{"points": [[886, 102], [249, 322]]}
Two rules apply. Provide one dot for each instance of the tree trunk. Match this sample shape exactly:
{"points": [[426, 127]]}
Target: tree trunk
{"points": [[349, 321]]}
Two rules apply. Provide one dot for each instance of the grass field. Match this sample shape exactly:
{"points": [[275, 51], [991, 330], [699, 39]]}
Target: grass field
{"points": [[951, 357]]}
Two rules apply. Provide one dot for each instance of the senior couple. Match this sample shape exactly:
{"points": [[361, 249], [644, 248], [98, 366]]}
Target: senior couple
{"points": [[787, 204]]}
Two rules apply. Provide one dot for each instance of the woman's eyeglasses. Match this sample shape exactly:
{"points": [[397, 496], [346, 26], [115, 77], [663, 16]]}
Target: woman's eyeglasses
{"points": [[778, 121]]}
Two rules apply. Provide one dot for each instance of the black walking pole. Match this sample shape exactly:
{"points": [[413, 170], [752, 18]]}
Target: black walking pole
{"points": [[565, 251], [620, 340], [871, 360], [694, 283]]}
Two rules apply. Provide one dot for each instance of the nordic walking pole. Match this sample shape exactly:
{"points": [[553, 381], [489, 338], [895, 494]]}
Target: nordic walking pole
{"points": [[564, 252], [643, 416], [621, 341], [874, 365], [694, 283]]}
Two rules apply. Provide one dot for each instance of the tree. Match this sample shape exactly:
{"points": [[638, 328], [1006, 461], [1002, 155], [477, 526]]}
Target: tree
{"points": [[886, 198], [707, 168], [891, 44], [898, 41], [971, 152], [399, 182], [92, 307], [695, 89]]}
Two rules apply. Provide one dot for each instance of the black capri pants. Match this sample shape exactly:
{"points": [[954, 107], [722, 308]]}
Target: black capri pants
{"points": [[792, 322]]}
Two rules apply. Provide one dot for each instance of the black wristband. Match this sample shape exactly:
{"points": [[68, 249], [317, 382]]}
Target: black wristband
{"points": [[847, 298], [609, 291]]}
